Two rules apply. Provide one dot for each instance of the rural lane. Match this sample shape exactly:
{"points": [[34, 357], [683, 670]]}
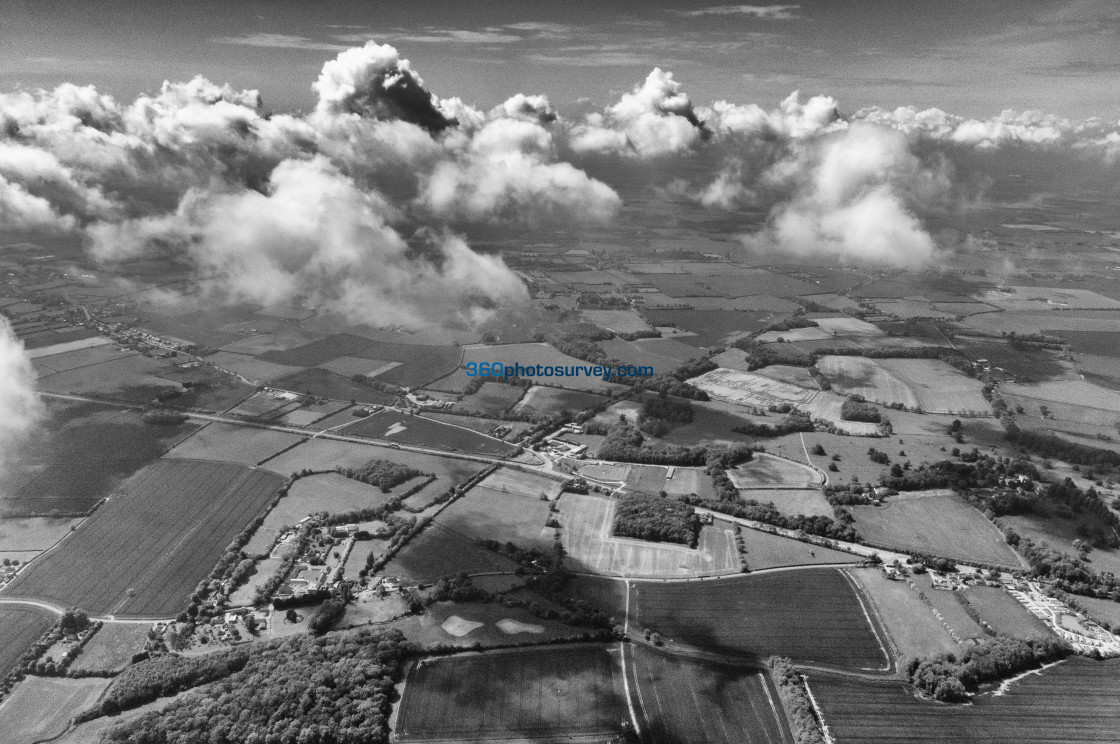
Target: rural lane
{"points": [[57, 610]]}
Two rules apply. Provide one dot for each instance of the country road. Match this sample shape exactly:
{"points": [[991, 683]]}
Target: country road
{"points": [[56, 610]]}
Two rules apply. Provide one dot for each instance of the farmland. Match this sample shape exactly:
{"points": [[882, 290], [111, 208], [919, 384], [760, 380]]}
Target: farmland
{"points": [[534, 354], [40, 708], [586, 533], [489, 514], [911, 625], [521, 483], [32, 534], [326, 454], [1004, 613], [811, 615], [246, 445], [19, 628], [488, 624], [791, 502], [730, 705], [749, 389], [438, 552], [767, 471], [111, 648], [1074, 701], [939, 387], [544, 400], [860, 376], [764, 550], [142, 553], [412, 429], [936, 522], [522, 695], [494, 398], [326, 384]]}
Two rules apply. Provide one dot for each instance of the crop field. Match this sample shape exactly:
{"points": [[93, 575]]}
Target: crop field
{"points": [[1047, 298], [319, 351], [747, 388], [586, 523], [142, 553], [862, 376], [1069, 392], [487, 514], [254, 369], [794, 335], [793, 501], [939, 387], [32, 534], [767, 471], [798, 376], [488, 624], [417, 364], [19, 628], [480, 424], [419, 430], [520, 483], [809, 615], [619, 321], [111, 648], [1074, 701], [311, 414], [647, 478], [765, 550], [712, 327], [349, 366], [246, 445], [546, 400], [681, 698], [326, 384], [633, 352], [911, 625], [133, 379], [846, 325], [267, 406], [1100, 343], [65, 467], [936, 522], [1004, 613], [438, 552], [492, 399], [40, 708], [83, 357], [545, 694]]}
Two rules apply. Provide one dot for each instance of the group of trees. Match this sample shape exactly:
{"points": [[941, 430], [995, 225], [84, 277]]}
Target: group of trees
{"points": [[802, 715], [794, 421], [857, 409], [624, 443], [951, 679], [384, 474], [1049, 445], [336, 689], [656, 518], [661, 414]]}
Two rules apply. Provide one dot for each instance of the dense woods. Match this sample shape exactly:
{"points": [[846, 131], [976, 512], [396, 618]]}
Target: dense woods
{"points": [[624, 443], [656, 518], [1050, 445], [659, 415], [384, 474], [331, 690], [951, 678], [855, 409]]}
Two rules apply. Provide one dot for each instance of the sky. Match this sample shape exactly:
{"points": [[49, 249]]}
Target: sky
{"points": [[975, 58]]}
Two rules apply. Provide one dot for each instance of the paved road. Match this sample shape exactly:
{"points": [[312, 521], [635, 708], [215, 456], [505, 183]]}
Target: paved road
{"points": [[57, 610]]}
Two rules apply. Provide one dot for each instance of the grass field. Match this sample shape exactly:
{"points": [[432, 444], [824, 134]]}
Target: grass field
{"points": [[936, 522], [111, 648], [143, 552], [417, 365], [326, 384], [638, 354], [319, 351], [521, 483], [811, 615], [40, 708], [134, 379], [253, 369], [19, 628], [545, 400], [647, 478], [493, 398], [438, 552], [32, 534], [828, 405], [791, 502], [767, 471], [939, 387], [409, 429], [489, 514], [488, 624], [914, 630], [245, 445], [861, 376], [66, 467], [1074, 701], [586, 523], [681, 700], [1004, 613], [765, 550], [545, 694]]}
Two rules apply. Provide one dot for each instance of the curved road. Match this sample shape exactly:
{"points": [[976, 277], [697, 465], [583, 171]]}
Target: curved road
{"points": [[57, 610]]}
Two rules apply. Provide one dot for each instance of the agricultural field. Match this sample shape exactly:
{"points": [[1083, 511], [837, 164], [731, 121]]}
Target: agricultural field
{"points": [[318, 352], [912, 627], [810, 615], [1059, 533], [794, 335], [790, 375], [829, 406], [793, 501], [547, 400], [131, 379], [937, 522], [619, 321], [949, 606], [766, 550], [417, 365], [326, 384], [84, 356], [328, 492], [712, 327], [489, 514], [253, 369], [939, 387], [846, 325], [142, 553], [32, 534], [586, 534], [749, 389], [1100, 405], [246, 445], [681, 698], [419, 430], [1004, 613], [1047, 298], [328, 454], [348, 366], [494, 398], [111, 648], [65, 467], [20, 627], [1074, 701], [638, 354], [488, 624], [437, 552], [852, 375], [518, 482], [40, 708], [767, 471], [647, 478], [526, 695]]}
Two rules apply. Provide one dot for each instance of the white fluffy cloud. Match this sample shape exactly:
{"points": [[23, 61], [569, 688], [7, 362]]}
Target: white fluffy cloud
{"points": [[19, 405]]}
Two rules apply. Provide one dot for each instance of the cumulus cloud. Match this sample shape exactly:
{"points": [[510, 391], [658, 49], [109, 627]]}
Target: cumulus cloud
{"points": [[20, 407]]}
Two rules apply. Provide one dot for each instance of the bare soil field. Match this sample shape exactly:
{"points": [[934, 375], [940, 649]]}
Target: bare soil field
{"points": [[545, 694], [586, 523], [246, 445], [143, 552], [811, 615], [732, 705], [913, 628], [40, 708], [1073, 701], [936, 522], [861, 376], [939, 387], [488, 514]]}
